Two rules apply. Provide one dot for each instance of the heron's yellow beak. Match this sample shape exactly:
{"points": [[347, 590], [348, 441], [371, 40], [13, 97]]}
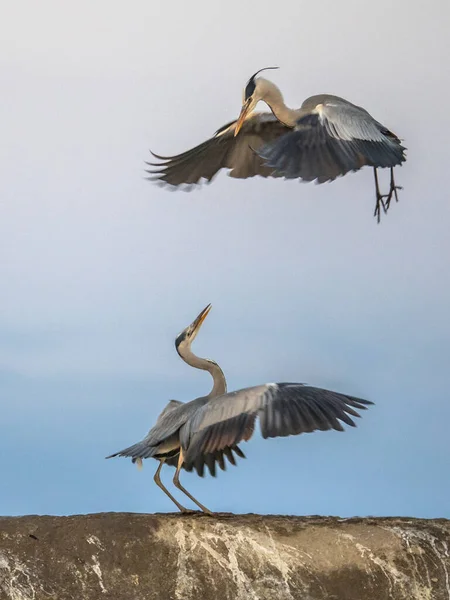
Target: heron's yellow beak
{"points": [[201, 317], [244, 112]]}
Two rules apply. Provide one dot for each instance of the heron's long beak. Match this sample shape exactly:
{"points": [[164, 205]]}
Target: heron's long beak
{"points": [[201, 317], [244, 111]]}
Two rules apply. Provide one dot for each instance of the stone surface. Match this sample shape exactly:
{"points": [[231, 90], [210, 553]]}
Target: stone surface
{"points": [[225, 557]]}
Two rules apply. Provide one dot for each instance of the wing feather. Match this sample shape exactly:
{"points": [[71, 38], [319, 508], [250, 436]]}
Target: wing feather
{"points": [[223, 150], [332, 138], [283, 409], [230, 452]]}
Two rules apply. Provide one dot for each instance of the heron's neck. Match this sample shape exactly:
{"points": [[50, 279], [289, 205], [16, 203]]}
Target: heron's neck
{"points": [[274, 99], [220, 384]]}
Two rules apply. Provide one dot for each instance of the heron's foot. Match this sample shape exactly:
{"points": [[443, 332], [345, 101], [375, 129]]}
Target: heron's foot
{"points": [[205, 510], [208, 512], [384, 200], [199, 513], [380, 204], [392, 194]]}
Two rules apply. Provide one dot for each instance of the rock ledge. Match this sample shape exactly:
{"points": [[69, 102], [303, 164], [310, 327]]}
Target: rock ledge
{"points": [[225, 557]]}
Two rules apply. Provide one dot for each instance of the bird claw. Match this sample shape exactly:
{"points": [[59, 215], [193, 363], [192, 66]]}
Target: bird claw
{"points": [[392, 193], [380, 203], [384, 200]]}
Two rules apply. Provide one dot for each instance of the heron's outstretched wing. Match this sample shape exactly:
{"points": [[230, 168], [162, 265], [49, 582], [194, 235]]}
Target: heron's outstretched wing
{"points": [[223, 150], [332, 137], [283, 409]]}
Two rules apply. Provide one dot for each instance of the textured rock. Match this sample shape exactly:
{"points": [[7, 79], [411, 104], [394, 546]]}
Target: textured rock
{"points": [[226, 557]]}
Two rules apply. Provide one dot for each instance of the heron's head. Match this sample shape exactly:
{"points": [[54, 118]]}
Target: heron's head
{"points": [[254, 91], [188, 335]]}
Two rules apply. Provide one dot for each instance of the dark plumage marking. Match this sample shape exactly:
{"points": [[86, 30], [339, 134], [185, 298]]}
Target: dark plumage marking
{"points": [[180, 338], [251, 84], [311, 120], [250, 88]]}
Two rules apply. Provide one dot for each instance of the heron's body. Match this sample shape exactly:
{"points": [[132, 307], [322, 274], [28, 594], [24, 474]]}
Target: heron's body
{"points": [[325, 138], [207, 430], [163, 441]]}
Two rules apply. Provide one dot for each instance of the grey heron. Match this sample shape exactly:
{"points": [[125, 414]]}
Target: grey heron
{"points": [[325, 138], [208, 429]]}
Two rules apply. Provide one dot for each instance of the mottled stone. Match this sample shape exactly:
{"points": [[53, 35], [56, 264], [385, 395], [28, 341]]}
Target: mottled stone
{"points": [[225, 557]]}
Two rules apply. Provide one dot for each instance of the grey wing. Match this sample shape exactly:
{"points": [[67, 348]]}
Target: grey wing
{"points": [[170, 406], [283, 409], [163, 437], [223, 150], [332, 138]]}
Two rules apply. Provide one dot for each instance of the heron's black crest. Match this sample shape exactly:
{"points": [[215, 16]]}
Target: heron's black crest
{"points": [[251, 84], [249, 89]]}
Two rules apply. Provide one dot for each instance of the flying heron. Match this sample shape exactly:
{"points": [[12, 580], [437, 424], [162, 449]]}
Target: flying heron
{"points": [[327, 137], [208, 429]]}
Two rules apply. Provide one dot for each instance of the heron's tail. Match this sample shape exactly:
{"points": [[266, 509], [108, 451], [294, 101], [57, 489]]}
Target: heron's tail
{"points": [[136, 452]]}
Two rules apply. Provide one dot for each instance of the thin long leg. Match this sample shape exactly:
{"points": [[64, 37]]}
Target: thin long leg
{"points": [[176, 482], [380, 202], [380, 197], [160, 484], [392, 190]]}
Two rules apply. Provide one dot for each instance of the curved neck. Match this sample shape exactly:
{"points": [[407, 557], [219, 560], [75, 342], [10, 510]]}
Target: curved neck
{"points": [[274, 99], [220, 384]]}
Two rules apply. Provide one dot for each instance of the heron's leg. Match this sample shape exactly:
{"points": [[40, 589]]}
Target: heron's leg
{"points": [[176, 482], [392, 190], [160, 484], [380, 198]]}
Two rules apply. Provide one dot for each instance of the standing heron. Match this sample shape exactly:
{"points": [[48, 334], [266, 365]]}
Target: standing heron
{"points": [[327, 137], [208, 429]]}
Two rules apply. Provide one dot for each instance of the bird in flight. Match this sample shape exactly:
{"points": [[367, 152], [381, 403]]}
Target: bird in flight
{"points": [[207, 430], [325, 138]]}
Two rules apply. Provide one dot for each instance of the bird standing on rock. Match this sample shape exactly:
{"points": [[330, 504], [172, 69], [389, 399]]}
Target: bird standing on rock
{"points": [[208, 429]]}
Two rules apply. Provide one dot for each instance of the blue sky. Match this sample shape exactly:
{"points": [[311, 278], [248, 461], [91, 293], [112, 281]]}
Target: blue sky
{"points": [[100, 269]]}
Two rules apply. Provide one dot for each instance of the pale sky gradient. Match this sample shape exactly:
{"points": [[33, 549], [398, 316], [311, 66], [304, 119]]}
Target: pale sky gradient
{"points": [[100, 269]]}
